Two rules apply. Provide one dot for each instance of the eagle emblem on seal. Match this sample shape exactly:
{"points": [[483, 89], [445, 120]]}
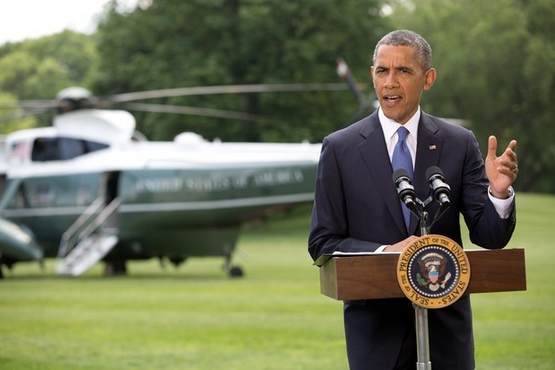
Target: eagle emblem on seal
{"points": [[432, 271]]}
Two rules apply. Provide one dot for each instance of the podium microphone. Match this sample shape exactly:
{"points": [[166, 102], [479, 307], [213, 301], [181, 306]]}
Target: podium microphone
{"points": [[440, 190], [405, 190]]}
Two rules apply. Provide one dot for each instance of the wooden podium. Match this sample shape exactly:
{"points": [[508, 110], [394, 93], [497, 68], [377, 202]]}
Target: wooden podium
{"points": [[373, 276]]}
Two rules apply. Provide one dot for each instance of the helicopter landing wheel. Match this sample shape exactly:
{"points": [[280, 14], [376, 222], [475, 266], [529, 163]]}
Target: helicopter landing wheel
{"points": [[233, 271], [236, 271], [115, 267]]}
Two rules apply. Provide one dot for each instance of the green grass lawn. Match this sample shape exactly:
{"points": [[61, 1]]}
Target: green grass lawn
{"points": [[196, 318]]}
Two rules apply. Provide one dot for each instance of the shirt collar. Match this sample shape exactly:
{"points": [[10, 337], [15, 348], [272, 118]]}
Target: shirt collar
{"points": [[390, 127]]}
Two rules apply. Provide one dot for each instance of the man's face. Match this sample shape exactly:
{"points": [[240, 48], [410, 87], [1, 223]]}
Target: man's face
{"points": [[399, 80]]}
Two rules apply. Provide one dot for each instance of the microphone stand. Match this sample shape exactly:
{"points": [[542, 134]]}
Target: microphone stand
{"points": [[421, 313]]}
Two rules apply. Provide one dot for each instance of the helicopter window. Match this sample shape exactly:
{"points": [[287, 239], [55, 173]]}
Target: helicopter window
{"points": [[70, 148], [92, 146], [45, 149], [56, 149]]}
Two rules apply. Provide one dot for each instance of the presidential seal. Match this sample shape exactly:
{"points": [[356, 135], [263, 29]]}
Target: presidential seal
{"points": [[433, 272]]}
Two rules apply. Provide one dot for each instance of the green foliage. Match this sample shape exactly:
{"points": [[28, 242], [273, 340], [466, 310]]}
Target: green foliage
{"points": [[196, 318], [39, 69], [219, 42], [13, 125], [495, 68]]}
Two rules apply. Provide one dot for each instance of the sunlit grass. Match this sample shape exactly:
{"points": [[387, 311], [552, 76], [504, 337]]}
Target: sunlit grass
{"points": [[197, 318], [517, 330]]}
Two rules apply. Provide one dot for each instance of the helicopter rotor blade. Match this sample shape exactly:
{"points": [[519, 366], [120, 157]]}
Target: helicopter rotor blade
{"points": [[19, 115], [73, 99], [31, 104], [224, 89], [206, 112], [344, 72], [365, 105]]}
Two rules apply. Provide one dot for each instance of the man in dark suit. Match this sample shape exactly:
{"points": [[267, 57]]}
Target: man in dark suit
{"points": [[356, 207]]}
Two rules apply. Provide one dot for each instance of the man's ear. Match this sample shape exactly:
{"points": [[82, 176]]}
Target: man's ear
{"points": [[430, 75]]}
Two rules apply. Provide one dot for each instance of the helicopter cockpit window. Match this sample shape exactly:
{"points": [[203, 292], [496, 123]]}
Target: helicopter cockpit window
{"points": [[45, 149], [92, 146], [60, 148]]}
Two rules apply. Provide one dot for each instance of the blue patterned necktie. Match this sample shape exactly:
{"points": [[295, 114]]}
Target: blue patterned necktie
{"points": [[402, 159]]}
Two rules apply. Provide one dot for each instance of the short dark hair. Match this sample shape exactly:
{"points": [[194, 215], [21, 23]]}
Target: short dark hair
{"points": [[408, 38]]}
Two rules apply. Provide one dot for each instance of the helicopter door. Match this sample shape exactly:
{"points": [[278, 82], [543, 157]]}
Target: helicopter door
{"points": [[2, 183], [111, 183], [110, 194], [93, 236]]}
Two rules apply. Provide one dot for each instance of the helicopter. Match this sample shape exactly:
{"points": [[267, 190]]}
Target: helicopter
{"points": [[90, 188]]}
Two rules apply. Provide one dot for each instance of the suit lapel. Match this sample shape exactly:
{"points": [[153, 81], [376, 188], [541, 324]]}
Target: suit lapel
{"points": [[374, 154], [428, 152], [376, 158]]}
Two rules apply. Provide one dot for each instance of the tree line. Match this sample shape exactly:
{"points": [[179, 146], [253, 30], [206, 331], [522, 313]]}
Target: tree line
{"points": [[495, 63]]}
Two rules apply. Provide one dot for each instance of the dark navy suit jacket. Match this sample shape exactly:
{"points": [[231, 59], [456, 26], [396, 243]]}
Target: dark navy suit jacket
{"points": [[356, 208]]}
